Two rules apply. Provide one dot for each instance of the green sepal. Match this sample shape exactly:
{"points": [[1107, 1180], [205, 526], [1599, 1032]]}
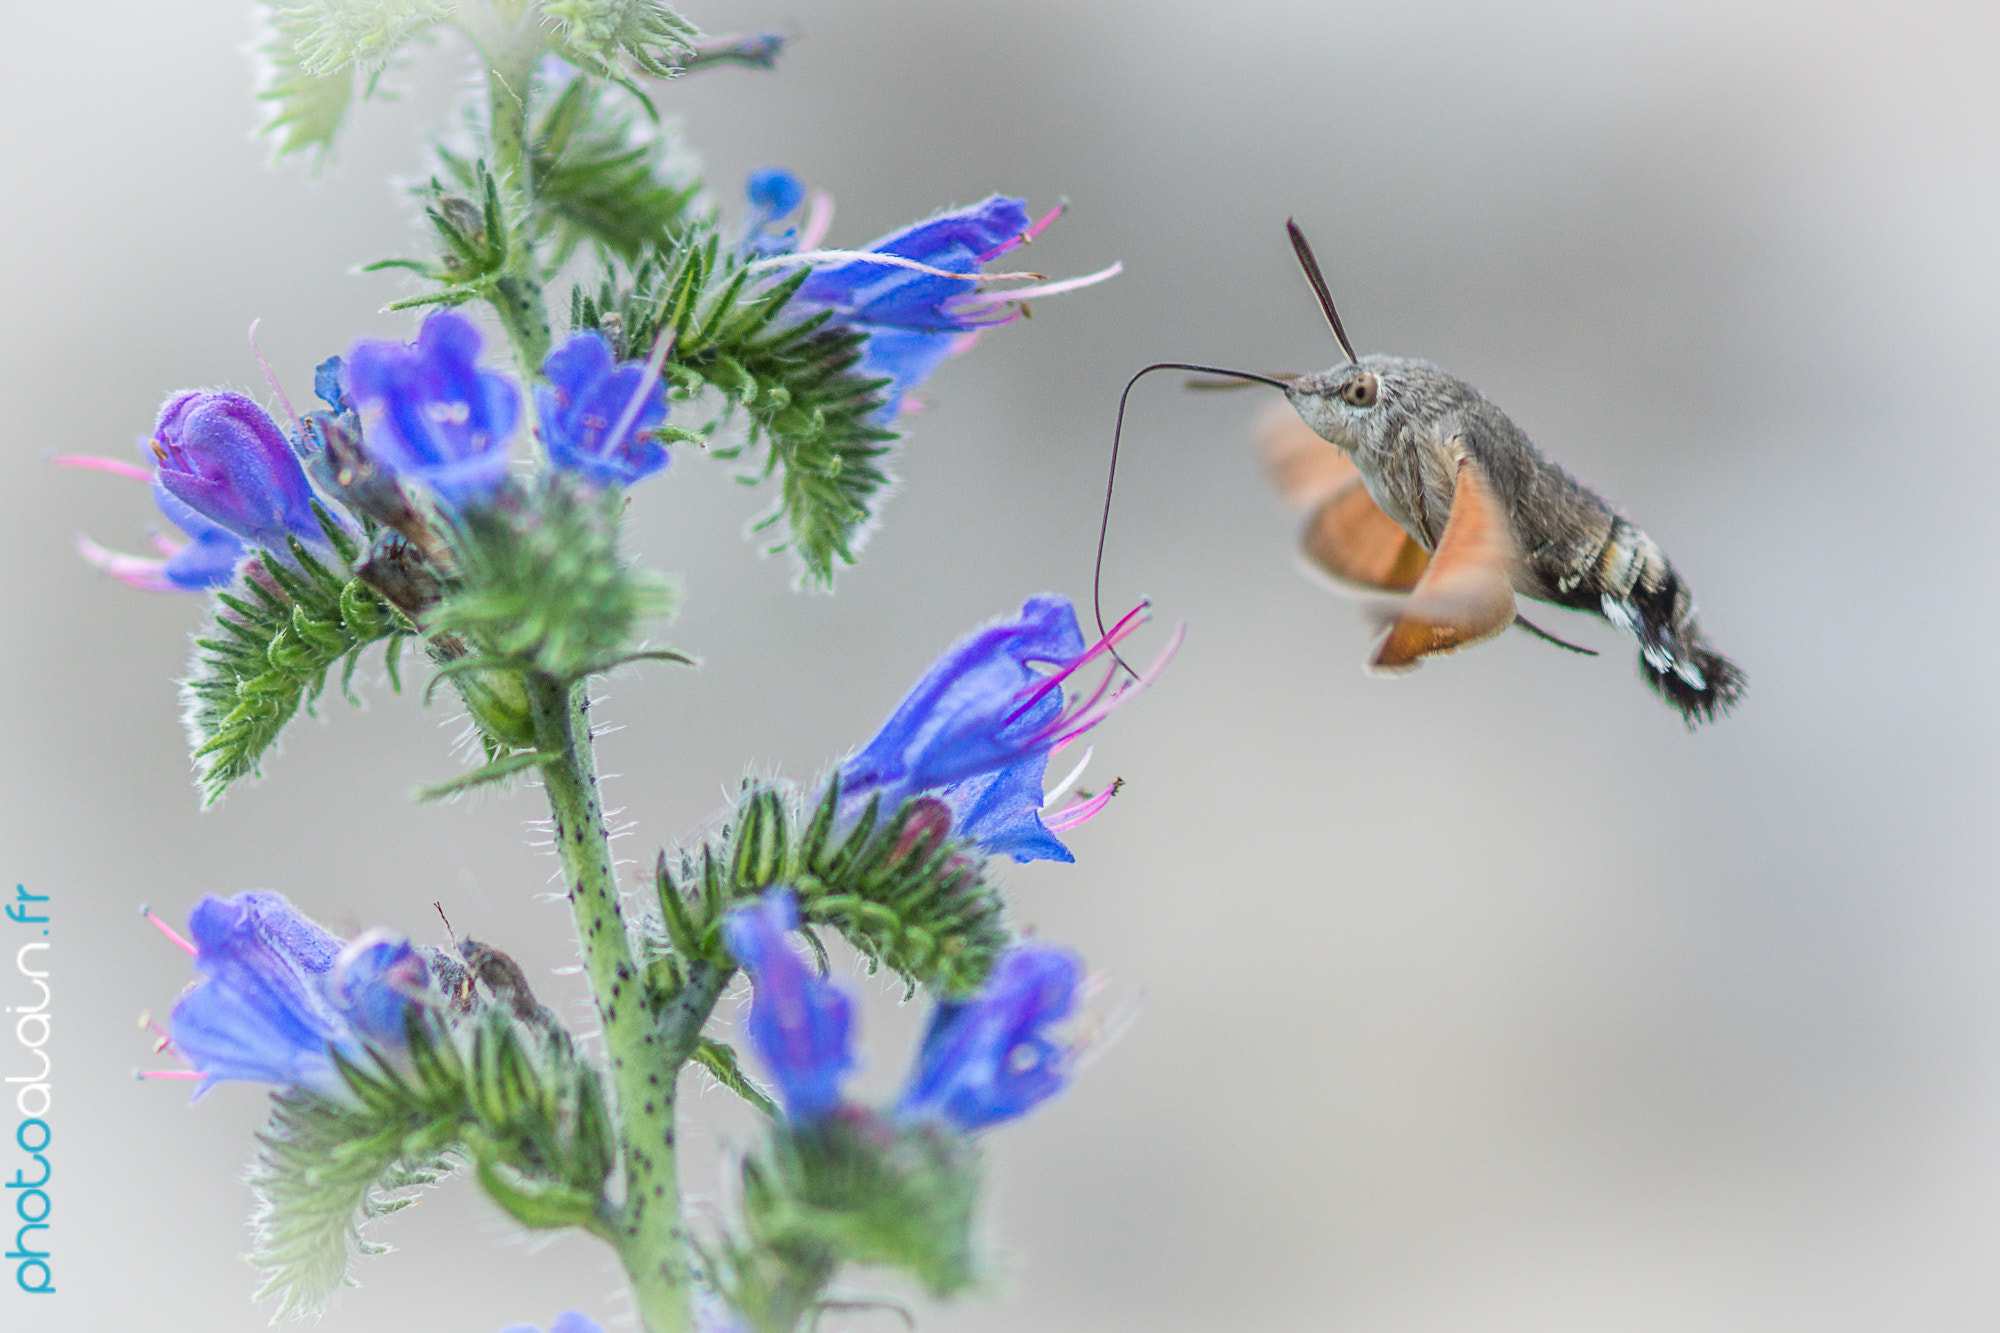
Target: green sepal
{"points": [[595, 33], [853, 1188], [326, 1168], [537, 1204], [544, 585], [903, 899]]}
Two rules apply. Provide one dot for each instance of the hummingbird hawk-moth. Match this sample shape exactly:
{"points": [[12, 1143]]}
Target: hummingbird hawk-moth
{"points": [[1418, 488]]}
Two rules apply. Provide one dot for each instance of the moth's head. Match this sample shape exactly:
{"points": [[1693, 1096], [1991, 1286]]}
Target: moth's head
{"points": [[1346, 405]]}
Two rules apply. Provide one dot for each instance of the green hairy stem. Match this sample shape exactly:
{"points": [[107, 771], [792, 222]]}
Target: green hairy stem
{"points": [[518, 295], [646, 1228]]}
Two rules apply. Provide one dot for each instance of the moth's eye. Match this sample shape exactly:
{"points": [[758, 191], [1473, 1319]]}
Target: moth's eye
{"points": [[1362, 390]]}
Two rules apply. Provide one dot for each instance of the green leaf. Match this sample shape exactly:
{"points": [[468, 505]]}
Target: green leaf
{"points": [[604, 175], [337, 34], [313, 50], [719, 1059], [266, 654], [807, 414], [324, 1171], [303, 109], [498, 771]]}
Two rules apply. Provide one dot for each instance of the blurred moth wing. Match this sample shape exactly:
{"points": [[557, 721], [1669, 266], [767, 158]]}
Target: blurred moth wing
{"points": [[1465, 595], [1347, 538], [1459, 596]]}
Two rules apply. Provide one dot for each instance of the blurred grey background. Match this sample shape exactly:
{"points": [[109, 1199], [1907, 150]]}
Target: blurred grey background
{"points": [[1487, 999]]}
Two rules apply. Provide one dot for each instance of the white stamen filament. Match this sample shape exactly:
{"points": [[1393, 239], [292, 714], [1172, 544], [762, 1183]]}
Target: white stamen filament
{"points": [[1062, 789], [891, 261], [661, 346]]}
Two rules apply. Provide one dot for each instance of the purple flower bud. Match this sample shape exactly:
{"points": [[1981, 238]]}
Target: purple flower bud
{"points": [[279, 994], [798, 1020], [223, 457], [211, 555], [430, 414], [979, 728], [595, 414], [989, 1059]]}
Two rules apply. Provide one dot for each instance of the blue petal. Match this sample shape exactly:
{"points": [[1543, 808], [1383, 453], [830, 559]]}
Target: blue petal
{"points": [[774, 191], [226, 459], [258, 1014], [326, 384], [988, 1059], [1000, 813], [431, 413], [372, 985], [587, 397], [799, 1021], [961, 719], [906, 357], [583, 359]]}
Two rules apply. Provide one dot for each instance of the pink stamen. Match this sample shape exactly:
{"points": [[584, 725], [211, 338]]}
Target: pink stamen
{"points": [[271, 377], [1100, 708], [91, 463], [819, 220], [166, 545], [965, 342], [130, 570], [1117, 634], [1081, 812], [165, 1041], [168, 1073], [1030, 234], [167, 930]]}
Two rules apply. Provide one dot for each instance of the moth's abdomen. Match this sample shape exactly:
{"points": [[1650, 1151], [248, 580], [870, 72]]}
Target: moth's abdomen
{"points": [[1632, 584]]}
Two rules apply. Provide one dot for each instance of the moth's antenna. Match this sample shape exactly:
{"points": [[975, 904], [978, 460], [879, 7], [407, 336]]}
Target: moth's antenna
{"points": [[1311, 266], [1111, 478]]}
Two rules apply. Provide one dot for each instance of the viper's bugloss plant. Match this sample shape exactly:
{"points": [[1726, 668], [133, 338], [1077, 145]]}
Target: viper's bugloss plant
{"points": [[462, 490]]}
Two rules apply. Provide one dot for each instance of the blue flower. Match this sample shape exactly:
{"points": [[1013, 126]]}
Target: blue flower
{"points": [[875, 295], [773, 193], [595, 413], [569, 1321], [989, 1058], [430, 414], [798, 1020], [915, 314], [223, 457], [279, 994], [979, 728]]}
